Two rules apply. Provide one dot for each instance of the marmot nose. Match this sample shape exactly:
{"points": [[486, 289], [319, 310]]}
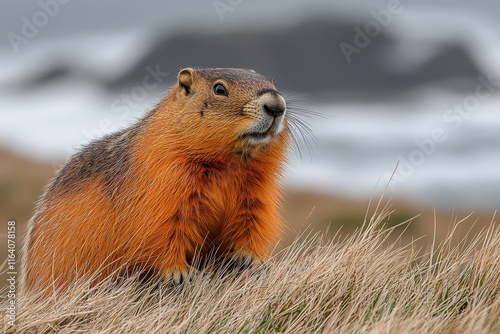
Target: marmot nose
{"points": [[273, 104]]}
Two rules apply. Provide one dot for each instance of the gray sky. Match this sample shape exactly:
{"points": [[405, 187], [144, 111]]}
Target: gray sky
{"points": [[95, 16]]}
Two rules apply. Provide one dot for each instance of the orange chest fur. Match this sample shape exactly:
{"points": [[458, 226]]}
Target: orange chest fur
{"points": [[208, 194]]}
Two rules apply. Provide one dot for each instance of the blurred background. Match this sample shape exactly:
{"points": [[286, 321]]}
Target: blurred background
{"points": [[414, 82]]}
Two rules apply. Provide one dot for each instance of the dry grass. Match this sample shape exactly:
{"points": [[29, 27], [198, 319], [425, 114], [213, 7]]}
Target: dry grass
{"points": [[356, 284]]}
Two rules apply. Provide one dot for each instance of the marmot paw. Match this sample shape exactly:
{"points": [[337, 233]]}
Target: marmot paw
{"points": [[178, 274], [244, 260]]}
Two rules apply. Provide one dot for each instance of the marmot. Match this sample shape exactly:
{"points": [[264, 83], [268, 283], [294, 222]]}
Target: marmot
{"points": [[197, 174]]}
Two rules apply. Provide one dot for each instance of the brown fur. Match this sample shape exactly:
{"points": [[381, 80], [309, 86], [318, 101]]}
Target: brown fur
{"points": [[181, 180]]}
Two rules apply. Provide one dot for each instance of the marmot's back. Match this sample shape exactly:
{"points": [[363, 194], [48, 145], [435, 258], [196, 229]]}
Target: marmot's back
{"points": [[196, 174]]}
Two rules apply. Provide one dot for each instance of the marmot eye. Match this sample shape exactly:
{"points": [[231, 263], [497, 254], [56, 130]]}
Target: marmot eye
{"points": [[219, 89]]}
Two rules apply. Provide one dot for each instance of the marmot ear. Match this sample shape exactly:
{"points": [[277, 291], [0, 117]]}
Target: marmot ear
{"points": [[185, 78]]}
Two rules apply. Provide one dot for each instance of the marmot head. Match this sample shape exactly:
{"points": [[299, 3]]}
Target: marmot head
{"points": [[233, 111]]}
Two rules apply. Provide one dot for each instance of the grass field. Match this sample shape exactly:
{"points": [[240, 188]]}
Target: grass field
{"points": [[364, 282]]}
